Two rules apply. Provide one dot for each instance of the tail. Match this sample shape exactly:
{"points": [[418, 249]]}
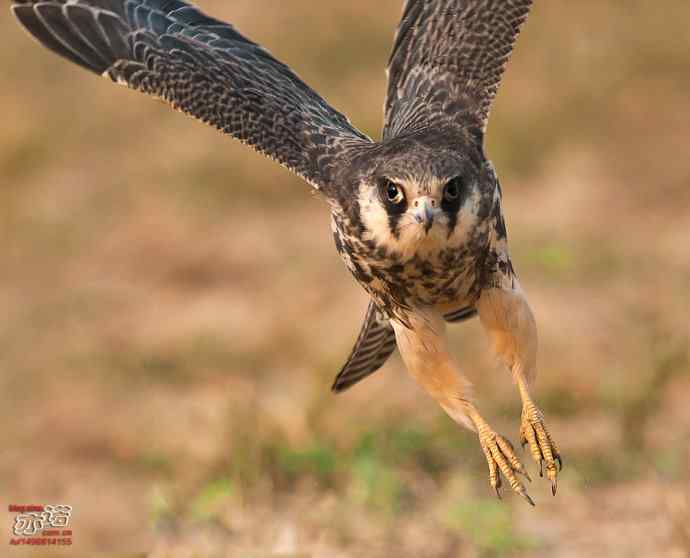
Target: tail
{"points": [[375, 343]]}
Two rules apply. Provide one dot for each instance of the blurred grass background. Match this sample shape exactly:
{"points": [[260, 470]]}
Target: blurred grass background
{"points": [[173, 311]]}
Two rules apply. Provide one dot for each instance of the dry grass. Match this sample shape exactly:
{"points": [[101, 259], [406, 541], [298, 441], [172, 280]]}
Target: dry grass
{"points": [[173, 311]]}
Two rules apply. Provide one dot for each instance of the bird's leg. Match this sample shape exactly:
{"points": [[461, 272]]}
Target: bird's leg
{"points": [[423, 348], [507, 317]]}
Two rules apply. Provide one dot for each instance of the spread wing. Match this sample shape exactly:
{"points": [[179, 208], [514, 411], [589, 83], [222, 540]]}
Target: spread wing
{"points": [[447, 62], [375, 343], [203, 67]]}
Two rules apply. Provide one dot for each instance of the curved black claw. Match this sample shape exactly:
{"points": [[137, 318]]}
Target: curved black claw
{"points": [[529, 500], [542, 447]]}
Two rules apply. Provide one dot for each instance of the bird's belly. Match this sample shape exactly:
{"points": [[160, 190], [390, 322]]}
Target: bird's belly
{"points": [[417, 283], [449, 278], [426, 284]]}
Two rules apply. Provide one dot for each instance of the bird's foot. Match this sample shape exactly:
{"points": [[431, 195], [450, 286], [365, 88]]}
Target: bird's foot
{"points": [[500, 455], [544, 451]]}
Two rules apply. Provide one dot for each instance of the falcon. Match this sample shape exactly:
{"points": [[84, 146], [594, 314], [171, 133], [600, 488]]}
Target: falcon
{"points": [[416, 216]]}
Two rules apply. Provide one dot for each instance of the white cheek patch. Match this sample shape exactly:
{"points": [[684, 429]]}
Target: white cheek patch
{"points": [[376, 220], [374, 217]]}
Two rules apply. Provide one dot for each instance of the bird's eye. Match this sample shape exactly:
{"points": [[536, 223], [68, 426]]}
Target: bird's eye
{"points": [[451, 191], [394, 193]]}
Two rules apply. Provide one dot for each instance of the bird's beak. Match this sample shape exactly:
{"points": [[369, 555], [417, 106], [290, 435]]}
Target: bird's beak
{"points": [[424, 212]]}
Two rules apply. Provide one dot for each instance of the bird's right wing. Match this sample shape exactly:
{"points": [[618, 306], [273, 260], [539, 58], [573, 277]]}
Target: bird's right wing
{"points": [[375, 343], [203, 67]]}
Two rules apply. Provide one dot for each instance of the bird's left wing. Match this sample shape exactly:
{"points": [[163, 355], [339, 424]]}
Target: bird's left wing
{"points": [[447, 63], [203, 67]]}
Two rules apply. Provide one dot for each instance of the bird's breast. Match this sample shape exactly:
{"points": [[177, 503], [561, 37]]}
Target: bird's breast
{"points": [[447, 276]]}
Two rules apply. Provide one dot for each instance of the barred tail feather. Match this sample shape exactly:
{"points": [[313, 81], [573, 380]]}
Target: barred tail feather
{"points": [[375, 343]]}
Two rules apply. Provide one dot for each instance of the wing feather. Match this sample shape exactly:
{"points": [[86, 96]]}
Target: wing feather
{"points": [[203, 67], [447, 63]]}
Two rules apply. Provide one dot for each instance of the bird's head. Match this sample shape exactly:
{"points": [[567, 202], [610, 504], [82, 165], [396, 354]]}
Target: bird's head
{"points": [[420, 200]]}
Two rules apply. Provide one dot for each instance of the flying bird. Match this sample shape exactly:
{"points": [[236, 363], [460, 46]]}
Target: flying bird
{"points": [[416, 216]]}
